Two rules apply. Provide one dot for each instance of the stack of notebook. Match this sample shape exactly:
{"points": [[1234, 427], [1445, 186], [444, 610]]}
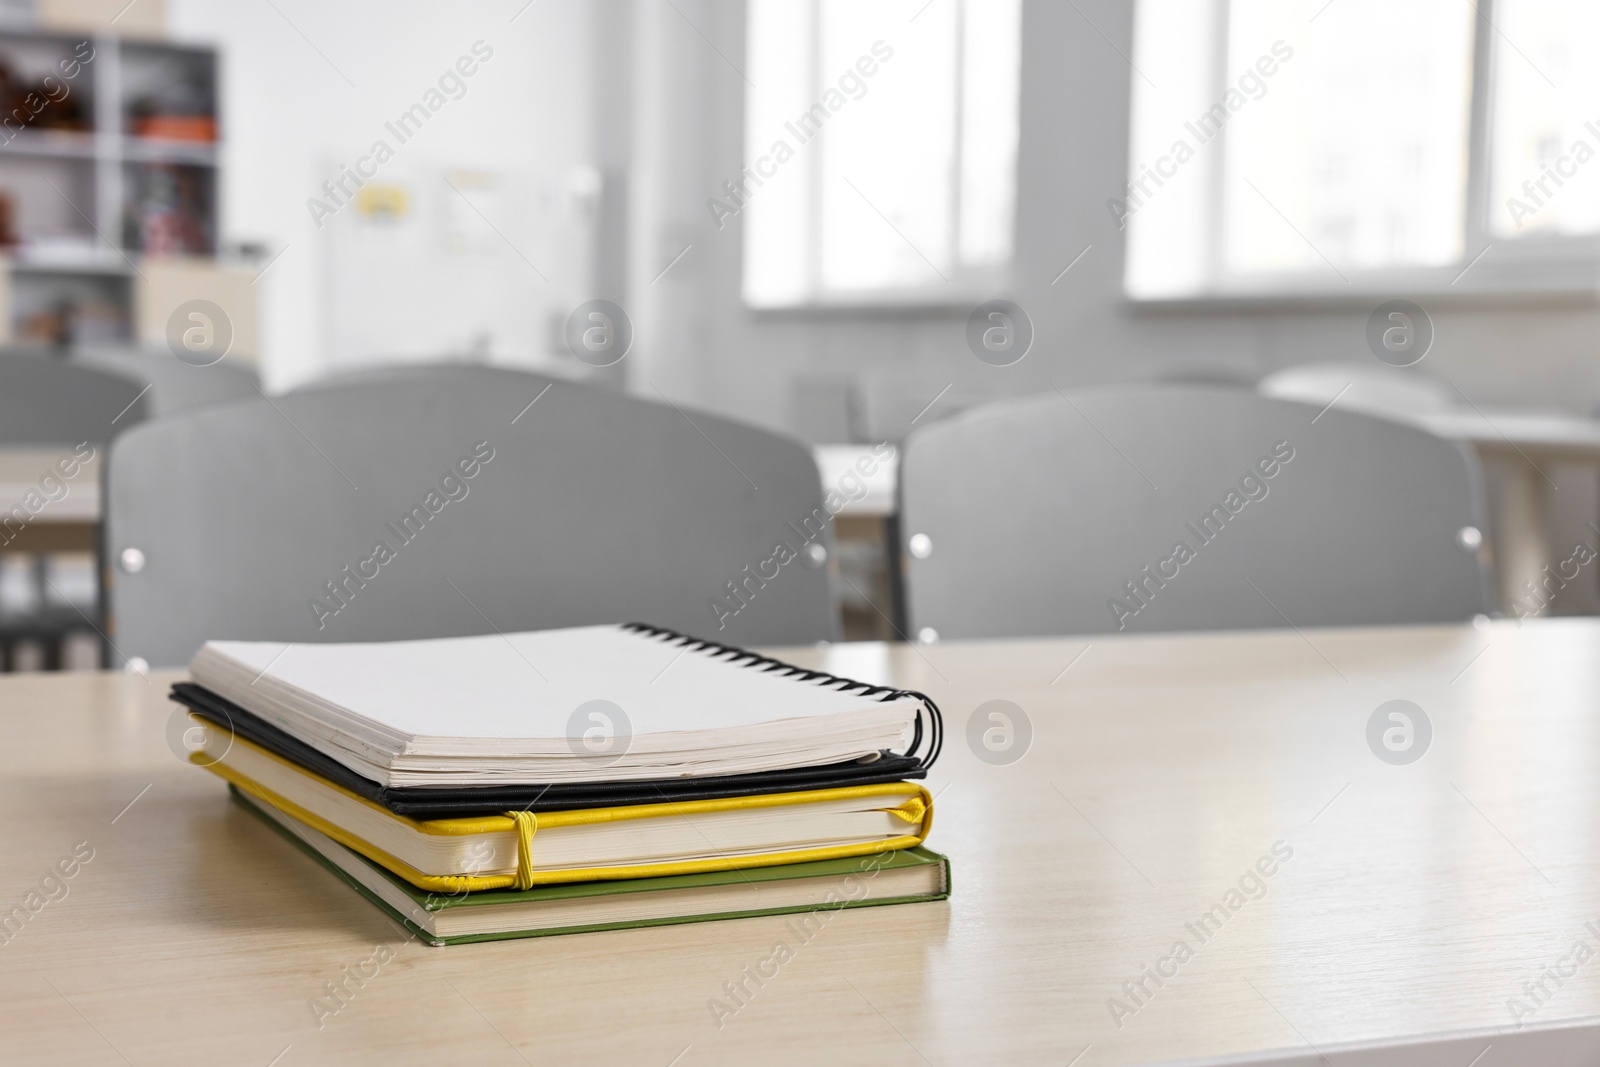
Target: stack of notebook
{"points": [[569, 780]]}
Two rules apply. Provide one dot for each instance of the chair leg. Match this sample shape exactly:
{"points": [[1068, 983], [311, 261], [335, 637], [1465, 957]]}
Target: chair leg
{"points": [[897, 585], [41, 580]]}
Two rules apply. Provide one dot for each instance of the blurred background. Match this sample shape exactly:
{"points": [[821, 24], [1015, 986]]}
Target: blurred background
{"points": [[797, 207]]}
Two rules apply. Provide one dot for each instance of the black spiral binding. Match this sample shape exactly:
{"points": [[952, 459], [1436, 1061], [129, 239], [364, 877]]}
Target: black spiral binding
{"points": [[744, 657]]}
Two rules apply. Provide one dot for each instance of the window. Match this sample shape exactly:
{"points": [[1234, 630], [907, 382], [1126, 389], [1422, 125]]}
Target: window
{"points": [[1546, 107], [880, 151], [1307, 147]]}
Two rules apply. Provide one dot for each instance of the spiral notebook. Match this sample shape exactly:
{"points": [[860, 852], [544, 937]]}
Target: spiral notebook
{"points": [[434, 802], [570, 708]]}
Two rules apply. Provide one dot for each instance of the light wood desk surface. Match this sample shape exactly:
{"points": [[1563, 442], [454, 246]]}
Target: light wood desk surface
{"points": [[1418, 898], [65, 524], [1551, 435], [21, 470], [865, 495]]}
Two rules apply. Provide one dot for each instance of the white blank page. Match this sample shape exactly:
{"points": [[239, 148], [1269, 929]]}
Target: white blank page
{"points": [[527, 685]]}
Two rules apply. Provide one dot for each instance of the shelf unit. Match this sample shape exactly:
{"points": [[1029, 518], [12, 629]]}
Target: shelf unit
{"points": [[87, 205]]}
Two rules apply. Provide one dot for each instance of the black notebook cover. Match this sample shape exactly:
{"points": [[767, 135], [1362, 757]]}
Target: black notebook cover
{"points": [[438, 802]]}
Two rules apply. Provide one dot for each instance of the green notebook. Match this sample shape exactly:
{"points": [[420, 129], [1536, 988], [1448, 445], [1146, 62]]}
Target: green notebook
{"points": [[900, 877]]}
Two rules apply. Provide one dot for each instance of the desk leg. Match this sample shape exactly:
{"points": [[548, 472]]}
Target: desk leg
{"points": [[1573, 514], [1519, 534]]}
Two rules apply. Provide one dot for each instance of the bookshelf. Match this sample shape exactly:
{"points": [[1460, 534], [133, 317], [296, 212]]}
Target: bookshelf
{"points": [[118, 160]]}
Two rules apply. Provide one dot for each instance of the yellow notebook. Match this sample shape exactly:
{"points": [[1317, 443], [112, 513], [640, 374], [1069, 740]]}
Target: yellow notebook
{"points": [[524, 849]]}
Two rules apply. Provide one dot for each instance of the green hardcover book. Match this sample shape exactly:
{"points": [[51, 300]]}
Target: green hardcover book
{"points": [[899, 877]]}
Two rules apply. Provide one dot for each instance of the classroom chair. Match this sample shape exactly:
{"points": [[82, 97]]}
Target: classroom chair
{"points": [[47, 401], [460, 500], [174, 385], [1139, 508]]}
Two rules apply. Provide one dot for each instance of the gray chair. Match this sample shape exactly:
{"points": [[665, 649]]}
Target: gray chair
{"points": [[47, 402], [262, 520], [174, 385], [1065, 513]]}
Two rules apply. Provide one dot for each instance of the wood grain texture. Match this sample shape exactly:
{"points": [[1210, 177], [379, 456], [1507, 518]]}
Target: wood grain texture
{"points": [[1418, 898]]}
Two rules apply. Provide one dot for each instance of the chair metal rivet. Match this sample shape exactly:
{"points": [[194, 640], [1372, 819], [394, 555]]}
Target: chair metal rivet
{"points": [[1469, 538], [921, 545], [132, 560]]}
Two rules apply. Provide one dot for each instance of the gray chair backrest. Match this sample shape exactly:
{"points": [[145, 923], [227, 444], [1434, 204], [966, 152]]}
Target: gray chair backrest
{"points": [[459, 502], [1154, 507], [49, 401], [174, 385]]}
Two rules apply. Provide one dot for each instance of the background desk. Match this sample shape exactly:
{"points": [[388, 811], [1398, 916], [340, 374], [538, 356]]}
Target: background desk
{"points": [[64, 525], [1418, 898], [1525, 456], [864, 532], [57, 632]]}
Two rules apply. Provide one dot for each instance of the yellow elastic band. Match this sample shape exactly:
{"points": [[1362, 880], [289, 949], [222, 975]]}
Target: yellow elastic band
{"points": [[527, 825], [911, 811], [916, 810]]}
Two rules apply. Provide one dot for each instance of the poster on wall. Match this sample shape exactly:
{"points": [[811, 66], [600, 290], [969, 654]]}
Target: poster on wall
{"points": [[457, 263]]}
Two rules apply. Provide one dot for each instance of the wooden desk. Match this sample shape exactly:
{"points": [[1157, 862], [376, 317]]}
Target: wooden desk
{"points": [[1418, 898], [1519, 451], [863, 531], [869, 495], [64, 525]]}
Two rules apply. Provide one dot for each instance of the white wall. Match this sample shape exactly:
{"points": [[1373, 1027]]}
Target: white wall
{"points": [[702, 346], [288, 111]]}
